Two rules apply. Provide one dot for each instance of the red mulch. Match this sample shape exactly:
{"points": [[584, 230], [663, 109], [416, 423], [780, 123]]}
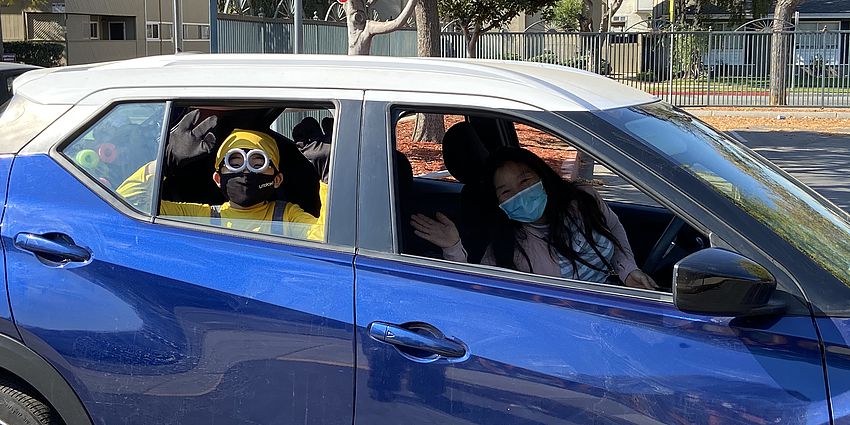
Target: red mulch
{"points": [[427, 157]]}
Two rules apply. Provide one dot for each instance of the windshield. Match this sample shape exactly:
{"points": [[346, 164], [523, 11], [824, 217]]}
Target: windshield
{"points": [[804, 219]]}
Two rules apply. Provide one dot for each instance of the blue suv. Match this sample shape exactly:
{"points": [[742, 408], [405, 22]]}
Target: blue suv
{"points": [[114, 312]]}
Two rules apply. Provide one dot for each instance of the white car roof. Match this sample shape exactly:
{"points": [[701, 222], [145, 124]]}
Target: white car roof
{"points": [[550, 87]]}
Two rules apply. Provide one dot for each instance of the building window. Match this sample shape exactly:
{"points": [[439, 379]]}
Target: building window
{"points": [[117, 31], [94, 30], [205, 32], [152, 31], [166, 31]]}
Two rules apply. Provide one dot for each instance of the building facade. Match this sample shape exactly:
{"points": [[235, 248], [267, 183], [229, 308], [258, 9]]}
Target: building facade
{"points": [[107, 30]]}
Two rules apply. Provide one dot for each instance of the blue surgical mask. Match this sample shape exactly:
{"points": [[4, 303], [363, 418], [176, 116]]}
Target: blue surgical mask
{"points": [[526, 206]]}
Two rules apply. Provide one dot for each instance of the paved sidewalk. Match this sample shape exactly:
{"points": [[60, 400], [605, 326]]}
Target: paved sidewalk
{"points": [[770, 113]]}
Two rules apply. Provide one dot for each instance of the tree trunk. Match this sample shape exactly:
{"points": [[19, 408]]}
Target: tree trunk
{"points": [[605, 22], [471, 36], [586, 19], [779, 52], [429, 127], [361, 30], [359, 42], [1, 31]]}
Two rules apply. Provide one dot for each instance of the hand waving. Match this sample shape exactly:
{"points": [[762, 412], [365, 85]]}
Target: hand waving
{"points": [[189, 140], [441, 232]]}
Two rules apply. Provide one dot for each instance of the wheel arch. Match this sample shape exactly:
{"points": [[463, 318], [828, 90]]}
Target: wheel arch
{"points": [[21, 363]]}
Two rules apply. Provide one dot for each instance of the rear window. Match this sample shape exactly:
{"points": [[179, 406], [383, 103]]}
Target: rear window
{"points": [[22, 119]]}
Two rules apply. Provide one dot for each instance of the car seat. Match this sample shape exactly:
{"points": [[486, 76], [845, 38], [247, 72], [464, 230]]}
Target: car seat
{"points": [[465, 157], [409, 243]]}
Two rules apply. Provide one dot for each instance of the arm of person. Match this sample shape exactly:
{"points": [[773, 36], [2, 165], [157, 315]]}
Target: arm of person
{"points": [[137, 190], [624, 259]]}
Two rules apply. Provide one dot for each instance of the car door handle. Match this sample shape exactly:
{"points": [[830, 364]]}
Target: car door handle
{"points": [[56, 247], [406, 338]]}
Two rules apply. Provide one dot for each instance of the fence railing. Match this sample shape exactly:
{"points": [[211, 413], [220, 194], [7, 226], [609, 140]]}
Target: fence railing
{"points": [[685, 68]]}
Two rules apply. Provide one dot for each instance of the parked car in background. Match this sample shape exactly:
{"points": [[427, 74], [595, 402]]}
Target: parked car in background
{"points": [[8, 72], [113, 312]]}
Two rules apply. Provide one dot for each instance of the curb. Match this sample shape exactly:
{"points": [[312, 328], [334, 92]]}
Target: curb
{"points": [[767, 114]]}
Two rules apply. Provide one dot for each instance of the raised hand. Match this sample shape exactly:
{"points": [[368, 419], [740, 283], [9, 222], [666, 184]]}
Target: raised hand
{"points": [[189, 140], [441, 232]]}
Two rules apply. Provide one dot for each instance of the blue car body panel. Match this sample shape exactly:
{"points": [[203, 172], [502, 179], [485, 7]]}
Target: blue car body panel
{"points": [[555, 355], [7, 325], [836, 339], [174, 325]]}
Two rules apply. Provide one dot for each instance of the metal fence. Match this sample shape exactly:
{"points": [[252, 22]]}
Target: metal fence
{"points": [[245, 34], [685, 68]]}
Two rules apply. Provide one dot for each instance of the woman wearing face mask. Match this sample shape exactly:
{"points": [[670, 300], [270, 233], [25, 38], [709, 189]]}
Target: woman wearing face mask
{"points": [[247, 173], [543, 224]]}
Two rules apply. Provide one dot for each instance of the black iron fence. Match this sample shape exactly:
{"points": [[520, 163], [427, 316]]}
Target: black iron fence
{"points": [[685, 68]]}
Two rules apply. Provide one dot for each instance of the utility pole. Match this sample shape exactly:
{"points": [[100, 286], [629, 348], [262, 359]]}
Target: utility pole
{"points": [[297, 22], [178, 25], [213, 26]]}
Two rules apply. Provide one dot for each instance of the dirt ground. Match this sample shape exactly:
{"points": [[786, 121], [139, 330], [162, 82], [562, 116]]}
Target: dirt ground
{"points": [[426, 157], [824, 125]]}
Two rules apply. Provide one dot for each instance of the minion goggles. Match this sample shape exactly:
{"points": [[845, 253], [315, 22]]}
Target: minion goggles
{"points": [[238, 160]]}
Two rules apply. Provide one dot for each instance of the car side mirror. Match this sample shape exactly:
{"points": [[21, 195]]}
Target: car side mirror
{"points": [[717, 282]]}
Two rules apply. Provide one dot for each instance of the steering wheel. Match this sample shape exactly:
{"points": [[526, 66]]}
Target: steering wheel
{"points": [[656, 254]]}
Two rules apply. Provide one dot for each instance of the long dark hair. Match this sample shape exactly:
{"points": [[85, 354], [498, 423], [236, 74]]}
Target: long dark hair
{"points": [[567, 203]]}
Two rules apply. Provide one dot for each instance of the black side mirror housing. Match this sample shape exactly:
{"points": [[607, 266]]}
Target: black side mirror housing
{"points": [[717, 282]]}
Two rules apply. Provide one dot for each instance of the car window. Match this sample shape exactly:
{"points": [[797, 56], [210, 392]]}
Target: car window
{"points": [[561, 156], [424, 155], [266, 169], [471, 202], [117, 145]]}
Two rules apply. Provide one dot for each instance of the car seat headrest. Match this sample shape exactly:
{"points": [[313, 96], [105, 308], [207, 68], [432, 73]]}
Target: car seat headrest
{"points": [[463, 153]]}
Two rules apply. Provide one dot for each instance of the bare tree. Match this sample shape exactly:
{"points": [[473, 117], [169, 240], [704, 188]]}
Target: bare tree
{"points": [[361, 30], [604, 24], [779, 51], [429, 127]]}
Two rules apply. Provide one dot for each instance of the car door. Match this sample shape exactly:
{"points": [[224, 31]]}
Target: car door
{"points": [[157, 321], [448, 343]]}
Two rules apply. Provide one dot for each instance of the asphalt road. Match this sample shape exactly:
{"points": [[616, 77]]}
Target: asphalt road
{"points": [[820, 160]]}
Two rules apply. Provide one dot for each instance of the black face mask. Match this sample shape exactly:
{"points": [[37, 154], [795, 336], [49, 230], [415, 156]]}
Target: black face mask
{"points": [[247, 189]]}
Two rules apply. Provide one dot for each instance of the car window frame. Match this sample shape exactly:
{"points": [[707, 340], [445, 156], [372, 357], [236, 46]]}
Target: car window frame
{"points": [[381, 109], [340, 223]]}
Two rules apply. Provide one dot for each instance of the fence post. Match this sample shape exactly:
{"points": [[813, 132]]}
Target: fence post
{"points": [[262, 37], [670, 71], [823, 69], [213, 26], [793, 59], [708, 72]]}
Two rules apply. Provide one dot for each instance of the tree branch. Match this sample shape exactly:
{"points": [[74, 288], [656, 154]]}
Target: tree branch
{"points": [[375, 28]]}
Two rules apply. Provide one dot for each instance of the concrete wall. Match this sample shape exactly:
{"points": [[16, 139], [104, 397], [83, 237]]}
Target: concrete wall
{"points": [[102, 50]]}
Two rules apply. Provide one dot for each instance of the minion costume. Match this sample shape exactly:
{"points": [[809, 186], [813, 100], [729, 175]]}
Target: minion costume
{"points": [[265, 216]]}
